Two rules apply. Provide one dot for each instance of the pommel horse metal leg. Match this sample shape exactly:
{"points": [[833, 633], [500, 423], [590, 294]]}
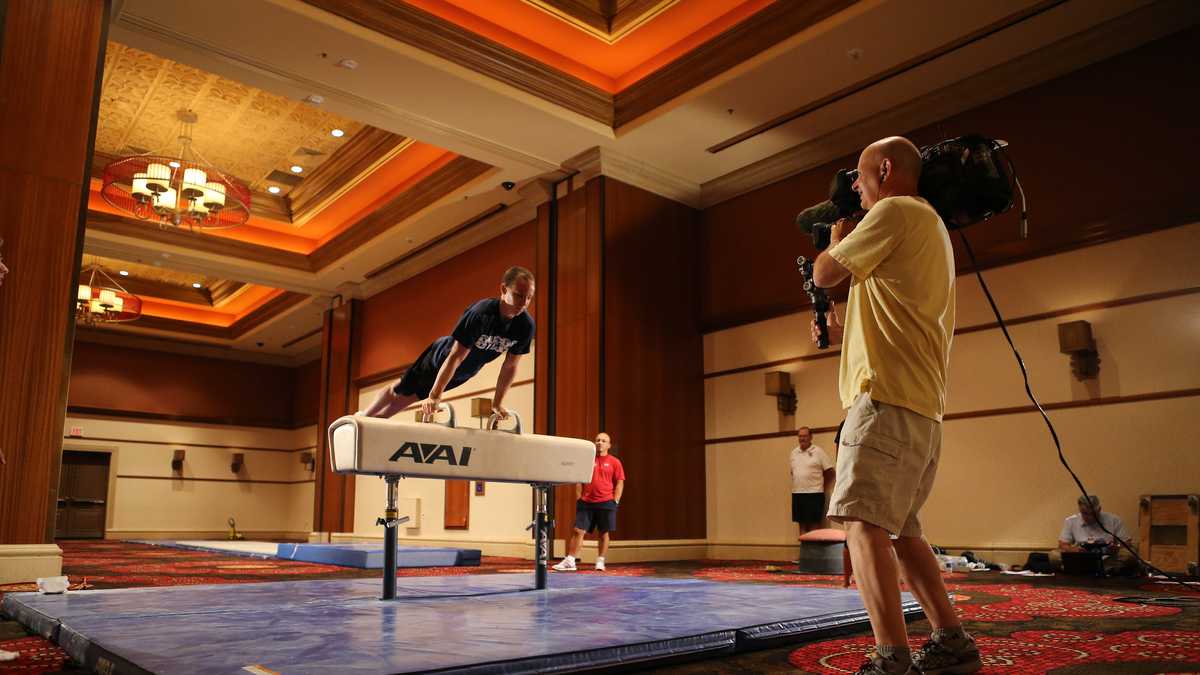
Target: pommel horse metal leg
{"points": [[390, 521], [541, 533]]}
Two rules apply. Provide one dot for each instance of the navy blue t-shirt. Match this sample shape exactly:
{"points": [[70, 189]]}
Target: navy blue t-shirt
{"points": [[487, 334]]}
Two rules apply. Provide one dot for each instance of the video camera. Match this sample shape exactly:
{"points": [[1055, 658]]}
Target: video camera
{"points": [[967, 180]]}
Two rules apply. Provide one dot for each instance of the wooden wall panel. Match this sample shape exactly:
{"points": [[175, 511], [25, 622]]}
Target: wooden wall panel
{"points": [[306, 392], [118, 380], [400, 322], [1102, 154], [457, 511], [333, 498], [653, 362], [577, 325], [49, 77]]}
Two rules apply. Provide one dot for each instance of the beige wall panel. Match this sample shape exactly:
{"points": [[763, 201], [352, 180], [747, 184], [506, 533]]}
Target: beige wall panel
{"points": [[749, 499], [1000, 483], [139, 505], [1159, 261], [1145, 347], [183, 506], [735, 405]]}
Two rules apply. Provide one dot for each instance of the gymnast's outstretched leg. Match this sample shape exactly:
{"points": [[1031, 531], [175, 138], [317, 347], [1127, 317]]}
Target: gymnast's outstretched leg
{"points": [[388, 402]]}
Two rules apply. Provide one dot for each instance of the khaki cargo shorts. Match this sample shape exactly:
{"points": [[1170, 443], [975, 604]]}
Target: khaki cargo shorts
{"points": [[886, 462]]}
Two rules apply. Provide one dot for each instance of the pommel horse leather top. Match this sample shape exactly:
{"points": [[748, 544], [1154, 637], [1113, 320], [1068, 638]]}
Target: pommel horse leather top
{"points": [[382, 447], [393, 449]]}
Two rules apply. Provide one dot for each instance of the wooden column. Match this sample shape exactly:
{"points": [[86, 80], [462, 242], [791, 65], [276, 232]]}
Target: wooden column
{"points": [[577, 324], [628, 350], [333, 495], [51, 61]]}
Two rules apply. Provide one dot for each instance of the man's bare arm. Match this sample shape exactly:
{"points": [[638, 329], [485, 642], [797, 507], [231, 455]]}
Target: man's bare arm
{"points": [[455, 358], [508, 372]]}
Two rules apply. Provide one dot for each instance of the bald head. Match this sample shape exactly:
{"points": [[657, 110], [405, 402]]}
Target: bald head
{"points": [[889, 167]]}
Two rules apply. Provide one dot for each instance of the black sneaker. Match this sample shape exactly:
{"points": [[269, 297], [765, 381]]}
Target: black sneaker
{"points": [[875, 665], [935, 658]]}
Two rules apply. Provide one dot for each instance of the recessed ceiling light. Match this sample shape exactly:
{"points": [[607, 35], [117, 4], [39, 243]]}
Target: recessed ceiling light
{"points": [[315, 99], [274, 189], [296, 168], [337, 133], [174, 165], [195, 284], [124, 273]]}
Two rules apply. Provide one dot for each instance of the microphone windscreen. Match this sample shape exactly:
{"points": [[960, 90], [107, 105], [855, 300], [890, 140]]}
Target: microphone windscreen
{"points": [[825, 212]]}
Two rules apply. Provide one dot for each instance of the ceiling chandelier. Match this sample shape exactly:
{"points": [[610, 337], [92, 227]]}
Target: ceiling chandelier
{"points": [[180, 190], [102, 300]]}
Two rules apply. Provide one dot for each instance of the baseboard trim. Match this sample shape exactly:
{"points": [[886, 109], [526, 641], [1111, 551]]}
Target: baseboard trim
{"points": [[21, 563]]}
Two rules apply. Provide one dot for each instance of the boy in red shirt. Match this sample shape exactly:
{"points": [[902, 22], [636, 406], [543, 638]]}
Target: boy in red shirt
{"points": [[596, 504]]}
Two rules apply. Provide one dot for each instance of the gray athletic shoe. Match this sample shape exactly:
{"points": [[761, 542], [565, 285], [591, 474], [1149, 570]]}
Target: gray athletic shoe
{"points": [[935, 658], [876, 665]]}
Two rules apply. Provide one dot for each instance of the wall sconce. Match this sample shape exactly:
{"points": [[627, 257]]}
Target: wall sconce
{"points": [[482, 409], [779, 385], [239, 459], [1075, 338], [309, 462], [177, 460]]}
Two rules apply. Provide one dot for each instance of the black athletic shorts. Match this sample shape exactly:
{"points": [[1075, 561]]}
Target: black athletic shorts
{"points": [[808, 507], [598, 516]]}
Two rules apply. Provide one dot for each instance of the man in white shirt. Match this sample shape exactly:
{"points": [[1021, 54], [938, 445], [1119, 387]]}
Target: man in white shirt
{"points": [[1082, 532], [812, 474]]}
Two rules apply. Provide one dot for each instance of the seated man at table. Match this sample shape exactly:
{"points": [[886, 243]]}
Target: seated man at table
{"points": [[1085, 532]]}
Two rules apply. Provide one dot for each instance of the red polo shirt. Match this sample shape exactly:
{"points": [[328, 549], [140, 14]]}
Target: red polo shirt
{"points": [[605, 474]]}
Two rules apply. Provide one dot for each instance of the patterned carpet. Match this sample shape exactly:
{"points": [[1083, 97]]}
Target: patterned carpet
{"points": [[1059, 625]]}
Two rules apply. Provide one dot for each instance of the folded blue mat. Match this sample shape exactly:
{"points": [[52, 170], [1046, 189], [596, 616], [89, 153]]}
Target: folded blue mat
{"points": [[370, 556]]}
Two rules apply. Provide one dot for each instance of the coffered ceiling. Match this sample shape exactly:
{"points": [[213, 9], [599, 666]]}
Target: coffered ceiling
{"points": [[443, 100]]}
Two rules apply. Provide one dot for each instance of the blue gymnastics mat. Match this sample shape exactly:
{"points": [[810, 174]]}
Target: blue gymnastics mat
{"points": [[491, 623], [370, 556], [364, 556]]}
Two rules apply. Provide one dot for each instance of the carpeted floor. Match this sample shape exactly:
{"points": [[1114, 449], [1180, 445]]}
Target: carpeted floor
{"points": [[1057, 624]]}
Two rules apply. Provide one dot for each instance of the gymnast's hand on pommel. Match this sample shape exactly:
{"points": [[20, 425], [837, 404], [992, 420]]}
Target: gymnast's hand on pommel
{"points": [[833, 323], [499, 411], [429, 407]]}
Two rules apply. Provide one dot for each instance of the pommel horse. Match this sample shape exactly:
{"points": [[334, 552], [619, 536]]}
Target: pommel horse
{"points": [[394, 449]]}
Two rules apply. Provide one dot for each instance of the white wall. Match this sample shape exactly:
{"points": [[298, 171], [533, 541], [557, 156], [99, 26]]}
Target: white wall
{"points": [[147, 500], [1000, 485]]}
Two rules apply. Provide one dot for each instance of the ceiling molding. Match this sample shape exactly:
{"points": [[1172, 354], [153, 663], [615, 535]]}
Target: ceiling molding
{"points": [[774, 24], [268, 311], [352, 163], [607, 162], [458, 173], [120, 338], [439, 37], [196, 241], [604, 21], [465, 238], [1058, 59], [453, 231], [224, 290], [882, 76], [160, 289]]}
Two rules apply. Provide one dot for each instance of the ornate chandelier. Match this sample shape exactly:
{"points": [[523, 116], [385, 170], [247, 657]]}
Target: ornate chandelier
{"points": [[106, 301], [176, 190]]}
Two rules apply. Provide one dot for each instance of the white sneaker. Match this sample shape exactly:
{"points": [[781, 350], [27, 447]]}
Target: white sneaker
{"points": [[566, 565], [599, 564]]}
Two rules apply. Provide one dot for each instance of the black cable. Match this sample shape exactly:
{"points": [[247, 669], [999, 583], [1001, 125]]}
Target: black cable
{"points": [[1054, 434]]}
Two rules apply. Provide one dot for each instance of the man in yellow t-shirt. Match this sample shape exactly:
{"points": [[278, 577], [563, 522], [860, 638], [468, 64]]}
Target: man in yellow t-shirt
{"points": [[895, 354]]}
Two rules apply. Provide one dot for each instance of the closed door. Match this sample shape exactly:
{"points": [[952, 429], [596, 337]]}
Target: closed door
{"points": [[82, 495]]}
